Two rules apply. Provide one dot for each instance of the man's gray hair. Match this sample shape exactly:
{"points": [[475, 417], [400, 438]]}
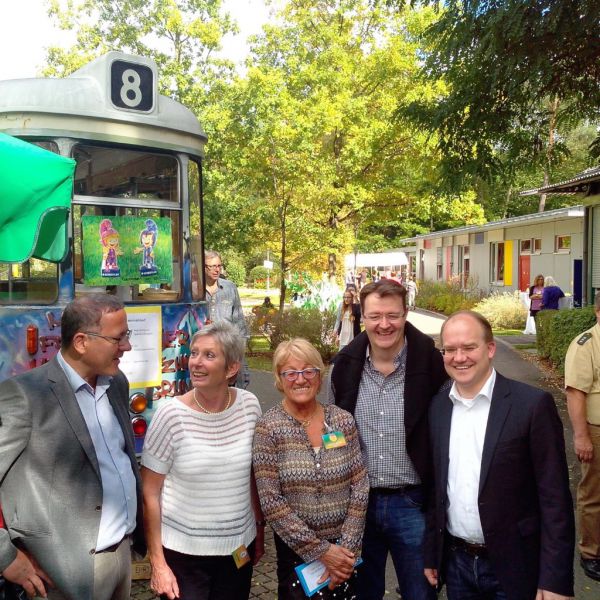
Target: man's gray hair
{"points": [[230, 339], [212, 254]]}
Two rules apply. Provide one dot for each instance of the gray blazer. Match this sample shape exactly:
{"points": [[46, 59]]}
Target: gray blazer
{"points": [[51, 490]]}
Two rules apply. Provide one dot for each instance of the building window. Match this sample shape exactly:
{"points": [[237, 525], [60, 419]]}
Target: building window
{"points": [[440, 263], [497, 262], [562, 243], [531, 246]]}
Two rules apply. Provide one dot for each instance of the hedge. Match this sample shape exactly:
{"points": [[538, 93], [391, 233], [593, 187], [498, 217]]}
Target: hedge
{"points": [[556, 330]]}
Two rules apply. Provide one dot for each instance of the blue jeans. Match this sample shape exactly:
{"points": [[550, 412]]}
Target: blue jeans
{"points": [[470, 577], [395, 524]]}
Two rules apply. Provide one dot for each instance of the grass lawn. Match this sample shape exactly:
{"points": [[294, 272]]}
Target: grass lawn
{"points": [[252, 297], [260, 362], [507, 331], [525, 346]]}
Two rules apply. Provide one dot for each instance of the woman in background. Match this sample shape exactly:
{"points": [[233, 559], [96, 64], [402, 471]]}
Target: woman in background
{"points": [[535, 295], [551, 294], [347, 323], [312, 483]]}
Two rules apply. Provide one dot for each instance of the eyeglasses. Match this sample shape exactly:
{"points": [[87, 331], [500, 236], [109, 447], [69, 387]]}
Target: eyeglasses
{"points": [[214, 267], [121, 341], [308, 374], [451, 351], [390, 317]]}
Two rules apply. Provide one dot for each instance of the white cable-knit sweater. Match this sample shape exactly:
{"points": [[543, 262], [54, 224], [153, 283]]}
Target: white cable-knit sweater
{"points": [[205, 502]]}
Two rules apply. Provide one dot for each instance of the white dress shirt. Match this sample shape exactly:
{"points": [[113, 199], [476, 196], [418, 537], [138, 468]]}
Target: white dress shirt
{"points": [[119, 500], [467, 434]]}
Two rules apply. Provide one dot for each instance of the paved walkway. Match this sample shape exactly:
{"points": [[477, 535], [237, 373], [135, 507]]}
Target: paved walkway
{"points": [[509, 362]]}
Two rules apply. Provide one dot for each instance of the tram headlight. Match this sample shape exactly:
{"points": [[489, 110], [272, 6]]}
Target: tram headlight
{"points": [[31, 339], [139, 426], [138, 403]]}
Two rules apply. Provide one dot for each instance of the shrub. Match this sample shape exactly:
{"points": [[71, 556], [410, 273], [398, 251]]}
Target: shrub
{"points": [[557, 328], [236, 271], [446, 296], [309, 323], [257, 277], [504, 310]]}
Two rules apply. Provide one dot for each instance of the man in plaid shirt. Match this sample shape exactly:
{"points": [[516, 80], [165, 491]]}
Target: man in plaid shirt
{"points": [[386, 378]]}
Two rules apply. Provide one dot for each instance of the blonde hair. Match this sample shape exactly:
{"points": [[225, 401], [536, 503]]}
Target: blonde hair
{"points": [[300, 349]]}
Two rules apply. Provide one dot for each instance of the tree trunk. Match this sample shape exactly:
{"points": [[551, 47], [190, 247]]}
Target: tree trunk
{"points": [[331, 261], [549, 149]]}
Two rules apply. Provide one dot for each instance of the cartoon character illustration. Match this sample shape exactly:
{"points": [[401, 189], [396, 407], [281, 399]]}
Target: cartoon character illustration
{"points": [[148, 241], [109, 238]]}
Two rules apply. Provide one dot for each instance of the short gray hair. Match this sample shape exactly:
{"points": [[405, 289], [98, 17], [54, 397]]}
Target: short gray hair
{"points": [[549, 281], [228, 337], [212, 254]]}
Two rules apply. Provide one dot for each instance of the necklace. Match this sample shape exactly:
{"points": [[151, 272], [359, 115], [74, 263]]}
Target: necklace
{"points": [[304, 422], [212, 412]]}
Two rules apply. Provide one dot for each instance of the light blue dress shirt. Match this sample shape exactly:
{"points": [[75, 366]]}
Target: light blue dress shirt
{"points": [[119, 499]]}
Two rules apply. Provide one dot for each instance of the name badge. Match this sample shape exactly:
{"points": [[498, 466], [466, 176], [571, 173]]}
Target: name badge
{"points": [[241, 556], [333, 439]]}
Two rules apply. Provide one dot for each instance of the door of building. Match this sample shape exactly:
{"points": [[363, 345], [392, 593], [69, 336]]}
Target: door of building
{"points": [[524, 272]]}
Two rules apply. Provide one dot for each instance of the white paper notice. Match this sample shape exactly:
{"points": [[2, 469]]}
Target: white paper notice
{"points": [[143, 363]]}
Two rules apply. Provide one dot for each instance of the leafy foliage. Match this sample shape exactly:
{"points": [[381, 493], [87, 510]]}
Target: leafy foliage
{"points": [[520, 74], [503, 310], [308, 323], [446, 297], [556, 329]]}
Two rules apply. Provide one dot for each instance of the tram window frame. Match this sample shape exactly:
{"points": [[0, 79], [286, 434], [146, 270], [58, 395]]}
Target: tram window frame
{"points": [[18, 286], [196, 242], [134, 206]]}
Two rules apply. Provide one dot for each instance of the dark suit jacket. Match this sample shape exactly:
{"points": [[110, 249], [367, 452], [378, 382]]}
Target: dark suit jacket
{"points": [[525, 504], [425, 375], [51, 490]]}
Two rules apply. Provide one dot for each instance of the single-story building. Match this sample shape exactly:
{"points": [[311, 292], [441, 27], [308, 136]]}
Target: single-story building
{"points": [[508, 254]]}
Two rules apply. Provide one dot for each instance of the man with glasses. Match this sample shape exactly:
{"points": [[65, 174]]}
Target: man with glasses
{"points": [[386, 378], [70, 491], [224, 304], [500, 524]]}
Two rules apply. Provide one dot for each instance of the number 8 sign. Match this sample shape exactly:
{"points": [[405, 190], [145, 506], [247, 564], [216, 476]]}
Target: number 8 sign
{"points": [[131, 86]]}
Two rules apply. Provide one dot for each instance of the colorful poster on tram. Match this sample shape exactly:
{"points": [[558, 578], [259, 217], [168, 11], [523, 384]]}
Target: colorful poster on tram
{"points": [[126, 250]]}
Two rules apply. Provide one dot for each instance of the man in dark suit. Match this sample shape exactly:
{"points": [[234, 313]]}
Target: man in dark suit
{"points": [[70, 489], [500, 525], [386, 378]]}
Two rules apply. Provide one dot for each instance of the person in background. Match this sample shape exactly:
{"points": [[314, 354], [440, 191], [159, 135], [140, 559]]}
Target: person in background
{"points": [[224, 304], [551, 294], [500, 521], [203, 521], [582, 383], [347, 323], [411, 292], [71, 491], [312, 483], [386, 378], [535, 295]]}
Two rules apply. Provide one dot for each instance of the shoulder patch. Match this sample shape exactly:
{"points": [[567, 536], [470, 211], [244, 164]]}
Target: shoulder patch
{"points": [[584, 338]]}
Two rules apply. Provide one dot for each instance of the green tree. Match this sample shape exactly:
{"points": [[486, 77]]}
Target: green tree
{"points": [[182, 36], [521, 74]]}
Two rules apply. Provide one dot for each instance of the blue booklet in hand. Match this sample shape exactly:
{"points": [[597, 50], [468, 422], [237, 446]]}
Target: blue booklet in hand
{"points": [[310, 573]]}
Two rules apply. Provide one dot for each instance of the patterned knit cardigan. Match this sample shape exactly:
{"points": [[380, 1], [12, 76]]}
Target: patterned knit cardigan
{"points": [[306, 498]]}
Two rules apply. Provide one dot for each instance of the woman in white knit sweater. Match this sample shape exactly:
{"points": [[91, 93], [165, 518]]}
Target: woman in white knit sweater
{"points": [[203, 523]]}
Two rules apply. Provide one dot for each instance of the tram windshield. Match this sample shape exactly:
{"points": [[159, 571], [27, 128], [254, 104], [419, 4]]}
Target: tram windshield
{"points": [[126, 229]]}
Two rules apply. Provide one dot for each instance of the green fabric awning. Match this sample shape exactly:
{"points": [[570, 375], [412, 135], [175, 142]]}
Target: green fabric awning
{"points": [[35, 196]]}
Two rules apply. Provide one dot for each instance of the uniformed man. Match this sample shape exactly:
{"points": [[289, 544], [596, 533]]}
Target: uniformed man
{"points": [[582, 382]]}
